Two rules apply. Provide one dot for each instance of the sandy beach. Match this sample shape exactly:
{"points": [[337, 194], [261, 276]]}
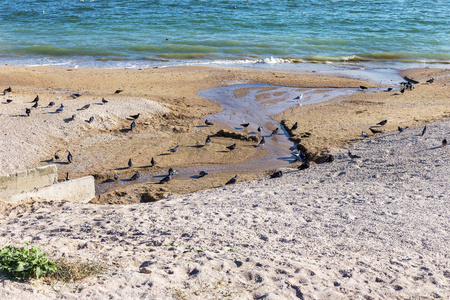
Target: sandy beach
{"points": [[374, 227]]}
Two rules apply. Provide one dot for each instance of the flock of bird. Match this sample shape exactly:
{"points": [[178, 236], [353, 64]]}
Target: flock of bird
{"points": [[299, 156]]}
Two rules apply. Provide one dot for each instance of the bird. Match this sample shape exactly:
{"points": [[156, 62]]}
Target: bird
{"points": [[69, 158], [232, 147], [75, 96], [424, 130], [388, 89], [382, 123], [130, 163], [431, 80], [153, 162], [364, 135], [172, 171], [259, 128], [362, 87], [245, 125], [36, 99], [353, 156], [56, 156], [133, 125], [28, 111], [60, 108], [401, 129], [116, 176], [299, 97], [208, 140], [86, 106], [329, 159], [73, 117], [118, 91], [104, 101], [402, 90], [294, 127], [135, 116], [91, 119], [173, 150], [374, 131], [8, 90], [208, 123], [202, 174], [8, 100], [444, 142], [51, 104], [232, 180], [274, 132], [67, 176], [262, 142], [276, 174], [35, 105], [135, 176], [165, 179], [304, 166]]}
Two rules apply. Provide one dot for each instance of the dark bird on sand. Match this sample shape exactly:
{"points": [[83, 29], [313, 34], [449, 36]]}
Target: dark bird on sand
{"points": [[259, 128], [353, 156], [262, 142], [36, 99], [294, 127], [60, 108], [202, 174], [135, 116], [67, 176], [130, 163], [153, 162], [401, 129], [276, 174], [75, 96], [165, 179], [116, 176], [73, 117], [173, 150], [51, 104], [8, 90], [402, 90], [91, 119], [35, 105], [133, 125], [28, 111], [444, 142], [86, 106], [8, 100], [382, 123], [374, 131], [232, 147], [245, 125], [424, 130], [118, 91], [300, 156], [135, 176], [364, 135], [232, 180], [208, 123], [304, 166], [274, 132], [70, 158], [329, 159], [56, 156], [431, 80], [104, 101], [362, 87], [208, 140]]}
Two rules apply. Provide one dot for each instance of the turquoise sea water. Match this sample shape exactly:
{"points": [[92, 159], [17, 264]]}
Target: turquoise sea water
{"points": [[108, 33]]}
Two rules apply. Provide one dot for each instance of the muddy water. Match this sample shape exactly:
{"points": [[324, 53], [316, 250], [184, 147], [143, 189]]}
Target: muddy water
{"points": [[253, 104]]}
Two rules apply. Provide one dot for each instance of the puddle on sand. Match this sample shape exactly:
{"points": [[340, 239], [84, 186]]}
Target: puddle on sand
{"points": [[254, 104]]}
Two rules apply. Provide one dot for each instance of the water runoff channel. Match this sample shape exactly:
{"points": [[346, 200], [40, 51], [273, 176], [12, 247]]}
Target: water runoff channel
{"points": [[255, 106]]}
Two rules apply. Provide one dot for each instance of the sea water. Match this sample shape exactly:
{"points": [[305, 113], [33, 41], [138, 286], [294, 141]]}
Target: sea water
{"points": [[146, 33]]}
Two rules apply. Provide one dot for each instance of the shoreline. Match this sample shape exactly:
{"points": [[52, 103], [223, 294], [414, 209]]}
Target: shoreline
{"points": [[172, 113]]}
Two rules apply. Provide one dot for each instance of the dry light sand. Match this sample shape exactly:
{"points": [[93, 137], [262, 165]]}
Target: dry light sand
{"points": [[376, 227]]}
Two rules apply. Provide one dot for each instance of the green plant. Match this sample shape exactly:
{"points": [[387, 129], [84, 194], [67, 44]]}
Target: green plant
{"points": [[25, 263]]}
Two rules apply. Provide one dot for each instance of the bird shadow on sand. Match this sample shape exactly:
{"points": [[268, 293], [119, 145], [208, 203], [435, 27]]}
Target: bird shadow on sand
{"points": [[289, 159], [67, 120], [108, 180], [61, 162], [197, 146], [18, 116], [164, 154], [224, 151], [145, 167], [125, 130], [119, 169], [196, 176], [48, 160], [201, 126], [51, 113]]}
